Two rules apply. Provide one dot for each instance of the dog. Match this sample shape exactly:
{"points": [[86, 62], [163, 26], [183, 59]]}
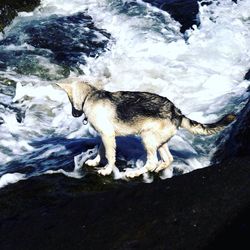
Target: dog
{"points": [[121, 113]]}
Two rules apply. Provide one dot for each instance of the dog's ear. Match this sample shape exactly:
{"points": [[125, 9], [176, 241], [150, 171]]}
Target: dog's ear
{"points": [[67, 87]]}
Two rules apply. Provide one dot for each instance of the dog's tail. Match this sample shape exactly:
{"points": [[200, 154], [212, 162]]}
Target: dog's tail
{"points": [[207, 129]]}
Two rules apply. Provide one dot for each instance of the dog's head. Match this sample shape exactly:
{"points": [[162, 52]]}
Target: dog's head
{"points": [[77, 92]]}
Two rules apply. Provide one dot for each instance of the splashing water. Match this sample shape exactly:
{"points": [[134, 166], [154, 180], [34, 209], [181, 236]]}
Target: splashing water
{"points": [[128, 45]]}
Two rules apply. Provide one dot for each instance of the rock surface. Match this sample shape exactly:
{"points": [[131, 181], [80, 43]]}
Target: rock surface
{"points": [[183, 11], [205, 209], [10, 8], [238, 142], [247, 75]]}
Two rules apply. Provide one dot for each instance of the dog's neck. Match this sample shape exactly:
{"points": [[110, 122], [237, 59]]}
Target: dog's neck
{"points": [[86, 91], [81, 91]]}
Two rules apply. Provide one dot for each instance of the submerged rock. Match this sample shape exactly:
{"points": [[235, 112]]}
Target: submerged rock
{"points": [[7, 92], [184, 11], [7, 86], [10, 8], [52, 46]]}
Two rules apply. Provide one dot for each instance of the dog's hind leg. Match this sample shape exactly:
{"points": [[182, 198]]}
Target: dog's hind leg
{"points": [[151, 143], [166, 157], [110, 150]]}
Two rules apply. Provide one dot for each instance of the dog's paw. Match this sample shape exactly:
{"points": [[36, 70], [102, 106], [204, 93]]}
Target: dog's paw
{"points": [[93, 162], [107, 170], [132, 173], [167, 173], [161, 166]]}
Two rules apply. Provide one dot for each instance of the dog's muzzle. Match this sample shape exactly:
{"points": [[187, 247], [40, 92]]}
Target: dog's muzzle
{"points": [[76, 112]]}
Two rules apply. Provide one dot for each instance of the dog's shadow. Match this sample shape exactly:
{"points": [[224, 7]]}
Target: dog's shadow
{"points": [[59, 153]]}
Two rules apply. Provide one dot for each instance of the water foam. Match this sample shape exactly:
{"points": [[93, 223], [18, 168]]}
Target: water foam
{"points": [[10, 179]]}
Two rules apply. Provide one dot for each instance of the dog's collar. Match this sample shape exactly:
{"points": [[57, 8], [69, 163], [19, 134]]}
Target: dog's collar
{"points": [[85, 120], [83, 103]]}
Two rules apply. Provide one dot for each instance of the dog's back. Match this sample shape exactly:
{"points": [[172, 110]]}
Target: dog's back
{"points": [[132, 107]]}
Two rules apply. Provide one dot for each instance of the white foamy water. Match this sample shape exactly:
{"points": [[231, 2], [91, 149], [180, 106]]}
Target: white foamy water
{"points": [[10, 179], [202, 76]]}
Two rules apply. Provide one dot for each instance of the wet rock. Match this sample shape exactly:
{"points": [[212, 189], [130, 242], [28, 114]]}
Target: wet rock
{"points": [[10, 8], [69, 38], [1, 120], [237, 144], [247, 75], [7, 87], [186, 12], [7, 92], [191, 211], [183, 11], [60, 45]]}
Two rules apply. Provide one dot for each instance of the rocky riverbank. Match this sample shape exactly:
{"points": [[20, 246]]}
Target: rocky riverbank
{"points": [[205, 209]]}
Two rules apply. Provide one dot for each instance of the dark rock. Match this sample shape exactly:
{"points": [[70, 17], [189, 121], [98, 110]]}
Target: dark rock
{"points": [[7, 87], [10, 8], [58, 34], [186, 12], [62, 40], [191, 211], [183, 11], [247, 75], [1, 120], [238, 142]]}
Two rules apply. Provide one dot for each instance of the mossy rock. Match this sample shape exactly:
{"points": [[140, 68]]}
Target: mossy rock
{"points": [[7, 81], [32, 66], [7, 87], [10, 8]]}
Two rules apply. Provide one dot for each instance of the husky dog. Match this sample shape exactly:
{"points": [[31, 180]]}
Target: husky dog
{"points": [[121, 113]]}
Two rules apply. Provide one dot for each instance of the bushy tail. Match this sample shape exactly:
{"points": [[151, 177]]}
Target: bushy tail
{"points": [[206, 129]]}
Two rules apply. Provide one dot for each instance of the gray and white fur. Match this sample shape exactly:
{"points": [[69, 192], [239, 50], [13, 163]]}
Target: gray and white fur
{"points": [[153, 117]]}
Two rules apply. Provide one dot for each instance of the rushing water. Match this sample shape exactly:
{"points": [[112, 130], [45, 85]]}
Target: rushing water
{"points": [[126, 45]]}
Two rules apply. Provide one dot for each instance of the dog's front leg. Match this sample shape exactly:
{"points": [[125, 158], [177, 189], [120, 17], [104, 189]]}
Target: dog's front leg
{"points": [[96, 161], [151, 143], [110, 148]]}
